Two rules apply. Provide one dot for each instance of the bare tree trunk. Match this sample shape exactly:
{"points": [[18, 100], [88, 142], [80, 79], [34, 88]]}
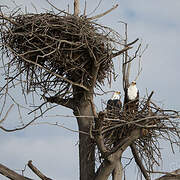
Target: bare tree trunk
{"points": [[86, 145], [118, 171], [86, 157]]}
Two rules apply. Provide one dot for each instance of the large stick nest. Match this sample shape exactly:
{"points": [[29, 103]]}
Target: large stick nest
{"points": [[57, 51]]}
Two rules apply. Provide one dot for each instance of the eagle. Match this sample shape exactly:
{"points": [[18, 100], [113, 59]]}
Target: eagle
{"points": [[131, 100], [114, 105]]}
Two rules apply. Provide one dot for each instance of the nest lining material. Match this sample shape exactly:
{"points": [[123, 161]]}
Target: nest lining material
{"points": [[68, 46]]}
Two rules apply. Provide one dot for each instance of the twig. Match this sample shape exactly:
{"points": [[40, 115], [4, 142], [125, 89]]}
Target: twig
{"points": [[4, 118], [37, 172], [121, 51], [62, 126], [11, 174], [103, 14]]}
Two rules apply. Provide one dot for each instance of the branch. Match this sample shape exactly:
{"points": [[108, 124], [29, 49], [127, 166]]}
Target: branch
{"points": [[138, 161], [118, 171], [4, 118], [76, 7], [109, 164], [103, 14], [11, 174], [98, 135], [121, 51], [69, 103], [29, 123], [37, 172], [175, 175], [55, 74], [133, 42], [57, 8]]}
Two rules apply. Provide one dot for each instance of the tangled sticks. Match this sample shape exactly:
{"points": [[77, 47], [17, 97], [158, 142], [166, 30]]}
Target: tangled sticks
{"points": [[58, 51], [153, 123]]}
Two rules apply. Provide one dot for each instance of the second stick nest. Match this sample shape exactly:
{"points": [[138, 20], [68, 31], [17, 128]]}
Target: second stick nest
{"points": [[154, 123]]}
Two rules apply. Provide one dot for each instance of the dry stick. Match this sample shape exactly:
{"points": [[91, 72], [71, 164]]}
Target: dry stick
{"points": [[85, 6], [133, 42], [121, 51], [61, 126], [37, 172], [57, 75], [57, 8], [138, 161], [23, 127], [103, 14], [12, 79], [11, 174], [131, 59], [4, 118]]}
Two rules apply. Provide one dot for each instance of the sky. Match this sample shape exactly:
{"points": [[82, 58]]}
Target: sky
{"points": [[54, 150]]}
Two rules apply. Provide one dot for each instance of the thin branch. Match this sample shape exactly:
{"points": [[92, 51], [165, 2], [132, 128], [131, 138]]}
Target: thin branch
{"points": [[59, 125], [69, 103], [121, 51], [4, 118], [5, 171], [57, 8], [37, 172], [55, 74], [29, 123], [139, 161], [133, 42], [103, 14]]}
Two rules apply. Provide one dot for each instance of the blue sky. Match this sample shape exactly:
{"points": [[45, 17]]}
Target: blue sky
{"points": [[53, 149]]}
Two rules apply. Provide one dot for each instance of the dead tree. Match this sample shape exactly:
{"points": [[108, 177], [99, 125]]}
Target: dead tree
{"points": [[63, 58]]}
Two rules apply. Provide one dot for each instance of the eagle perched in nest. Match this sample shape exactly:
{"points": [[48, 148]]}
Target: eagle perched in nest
{"points": [[131, 99], [114, 105]]}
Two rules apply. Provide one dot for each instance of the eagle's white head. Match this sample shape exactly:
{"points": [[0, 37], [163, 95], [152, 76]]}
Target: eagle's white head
{"points": [[116, 95], [132, 91]]}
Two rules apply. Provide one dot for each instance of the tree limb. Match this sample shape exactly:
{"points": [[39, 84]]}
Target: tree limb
{"points": [[175, 175], [121, 51], [98, 134], [103, 14], [69, 103], [11, 174], [118, 171], [138, 161], [110, 162], [37, 172]]}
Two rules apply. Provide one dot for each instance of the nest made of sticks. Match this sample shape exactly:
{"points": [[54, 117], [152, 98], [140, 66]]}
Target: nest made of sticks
{"points": [[57, 51], [155, 123]]}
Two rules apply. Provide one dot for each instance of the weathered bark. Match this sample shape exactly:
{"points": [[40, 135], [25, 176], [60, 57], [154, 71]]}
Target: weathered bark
{"points": [[110, 163], [139, 161], [118, 171], [175, 175], [105, 170], [86, 146], [11, 174]]}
